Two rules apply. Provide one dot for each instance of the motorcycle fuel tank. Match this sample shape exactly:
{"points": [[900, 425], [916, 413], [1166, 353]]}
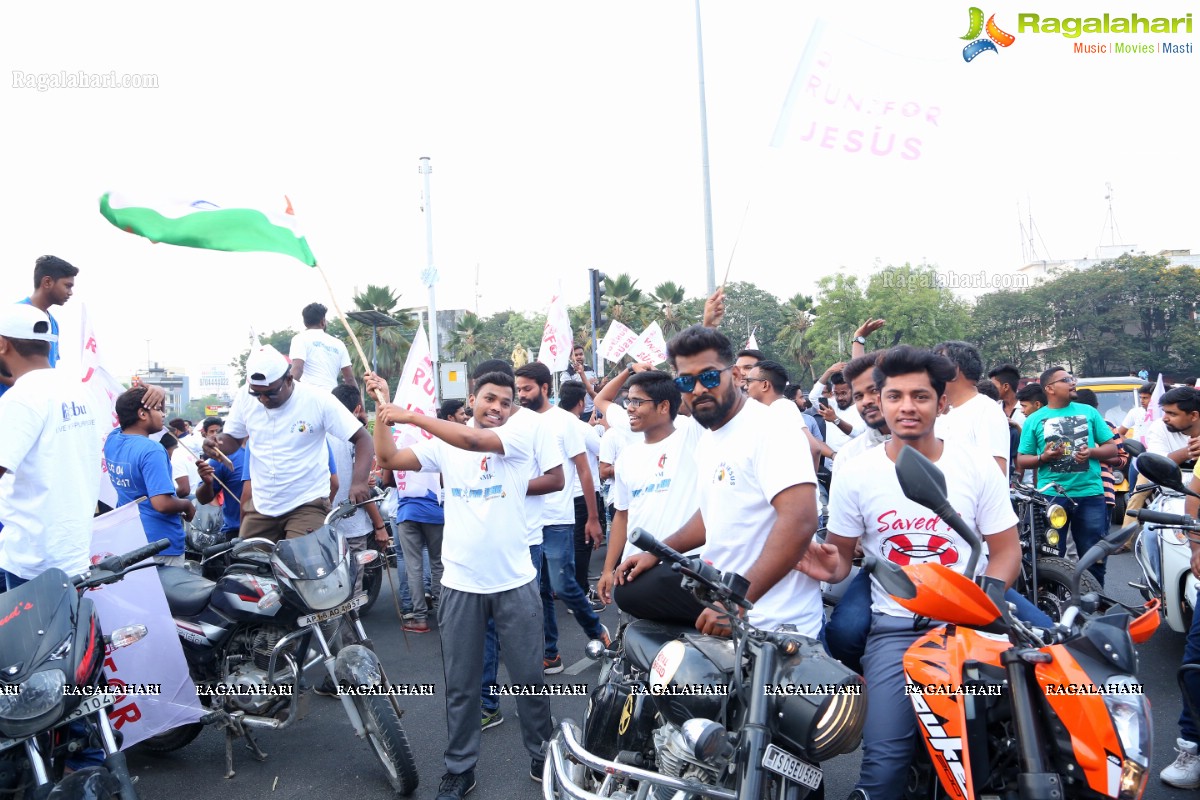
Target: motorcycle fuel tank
{"points": [[237, 594]]}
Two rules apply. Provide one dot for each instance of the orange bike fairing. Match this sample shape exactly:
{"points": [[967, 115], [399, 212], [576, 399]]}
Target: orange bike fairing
{"points": [[1085, 716], [1142, 628], [937, 659], [946, 596]]}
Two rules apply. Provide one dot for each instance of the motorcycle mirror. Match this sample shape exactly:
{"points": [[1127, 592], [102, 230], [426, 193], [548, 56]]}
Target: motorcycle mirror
{"points": [[890, 577], [920, 480], [1161, 470]]}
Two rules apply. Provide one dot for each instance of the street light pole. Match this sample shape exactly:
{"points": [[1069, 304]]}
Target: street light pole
{"points": [[711, 274], [430, 276]]}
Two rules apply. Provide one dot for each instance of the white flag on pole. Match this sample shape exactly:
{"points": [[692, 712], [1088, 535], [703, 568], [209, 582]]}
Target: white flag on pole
{"points": [[1154, 409], [415, 391], [104, 389], [156, 659], [752, 343], [650, 347], [555, 351], [617, 341]]}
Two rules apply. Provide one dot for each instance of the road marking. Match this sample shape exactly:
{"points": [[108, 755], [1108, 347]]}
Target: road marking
{"points": [[579, 666]]}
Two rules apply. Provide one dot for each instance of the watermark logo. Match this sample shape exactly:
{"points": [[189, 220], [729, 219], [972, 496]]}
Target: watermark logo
{"points": [[80, 79], [994, 37]]}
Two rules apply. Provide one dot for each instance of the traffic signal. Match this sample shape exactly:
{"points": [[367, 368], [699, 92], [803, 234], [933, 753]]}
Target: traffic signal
{"points": [[599, 303]]}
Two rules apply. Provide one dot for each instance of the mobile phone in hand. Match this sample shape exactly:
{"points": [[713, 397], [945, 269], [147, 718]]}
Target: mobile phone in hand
{"points": [[823, 401]]}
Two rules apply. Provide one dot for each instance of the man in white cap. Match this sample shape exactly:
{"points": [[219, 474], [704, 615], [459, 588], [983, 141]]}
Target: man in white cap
{"points": [[50, 441], [289, 465]]}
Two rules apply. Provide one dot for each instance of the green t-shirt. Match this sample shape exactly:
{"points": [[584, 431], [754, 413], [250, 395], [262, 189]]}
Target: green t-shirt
{"points": [[1075, 425]]}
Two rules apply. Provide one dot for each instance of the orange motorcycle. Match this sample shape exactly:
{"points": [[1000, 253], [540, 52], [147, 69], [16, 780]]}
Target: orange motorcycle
{"points": [[1007, 710]]}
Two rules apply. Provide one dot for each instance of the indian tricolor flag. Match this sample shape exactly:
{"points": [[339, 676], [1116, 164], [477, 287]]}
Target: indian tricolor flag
{"points": [[207, 225]]}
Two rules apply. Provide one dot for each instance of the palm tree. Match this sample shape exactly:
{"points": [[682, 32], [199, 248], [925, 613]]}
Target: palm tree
{"points": [[793, 336], [625, 301], [667, 299], [392, 343], [466, 341]]}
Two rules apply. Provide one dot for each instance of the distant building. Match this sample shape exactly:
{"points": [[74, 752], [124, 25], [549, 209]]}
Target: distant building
{"points": [[218, 381], [1048, 269], [176, 385]]}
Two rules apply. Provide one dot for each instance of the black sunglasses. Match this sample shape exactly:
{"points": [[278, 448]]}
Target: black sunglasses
{"points": [[709, 379], [272, 393]]}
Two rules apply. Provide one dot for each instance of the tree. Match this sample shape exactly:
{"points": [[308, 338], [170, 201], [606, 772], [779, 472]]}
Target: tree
{"points": [[392, 342], [792, 339], [466, 342], [195, 409], [280, 340], [840, 308], [919, 309], [667, 301], [626, 303]]}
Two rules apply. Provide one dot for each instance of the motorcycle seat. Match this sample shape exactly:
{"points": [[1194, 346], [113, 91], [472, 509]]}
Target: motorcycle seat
{"points": [[187, 593], [644, 638]]}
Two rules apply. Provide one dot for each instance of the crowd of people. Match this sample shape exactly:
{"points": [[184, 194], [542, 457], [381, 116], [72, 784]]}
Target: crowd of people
{"points": [[705, 457]]}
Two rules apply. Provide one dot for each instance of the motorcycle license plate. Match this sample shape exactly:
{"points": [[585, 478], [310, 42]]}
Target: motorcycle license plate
{"points": [[337, 611], [792, 768], [89, 705]]}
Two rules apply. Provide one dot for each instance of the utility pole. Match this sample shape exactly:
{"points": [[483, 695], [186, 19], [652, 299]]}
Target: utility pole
{"points": [[430, 277], [711, 274]]}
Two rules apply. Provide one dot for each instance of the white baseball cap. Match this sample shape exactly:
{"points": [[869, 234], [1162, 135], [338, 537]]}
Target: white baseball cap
{"points": [[265, 365], [23, 321]]}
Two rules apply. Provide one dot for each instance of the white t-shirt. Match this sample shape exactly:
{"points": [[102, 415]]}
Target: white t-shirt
{"points": [[616, 438], [980, 422], [323, 356], [833, 434], [739, 470], [569, 377], [565, 435], [484, 547], [1162, 441], [545, 457], [289, 463], [1017, 415], [183, 465], [656, 483], [857, 446], [358, 524], [893, 527], [50, 450], [1134, 422], [591, 444]]}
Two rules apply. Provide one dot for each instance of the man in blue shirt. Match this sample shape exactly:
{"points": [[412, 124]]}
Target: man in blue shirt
{"points": [[53, 285], [139, 467]]}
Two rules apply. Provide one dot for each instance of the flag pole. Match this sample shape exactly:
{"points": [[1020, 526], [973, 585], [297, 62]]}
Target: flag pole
{"points": [[224, 458], [354, 339]]}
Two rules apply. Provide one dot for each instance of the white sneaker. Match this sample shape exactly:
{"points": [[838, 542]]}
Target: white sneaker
{"points": [[1185, 772]]}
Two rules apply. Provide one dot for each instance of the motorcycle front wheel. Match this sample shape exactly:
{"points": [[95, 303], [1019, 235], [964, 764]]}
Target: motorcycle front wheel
{"points": [[1053, 593], [372, 584], [389, 742]]}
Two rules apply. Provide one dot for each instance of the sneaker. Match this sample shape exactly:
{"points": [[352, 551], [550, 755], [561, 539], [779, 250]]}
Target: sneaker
{"points": [[416, 626], [456, 787], [597, 604], [552, 666], [535, 769], [492, 718], [327, 688], [1185, 772]]}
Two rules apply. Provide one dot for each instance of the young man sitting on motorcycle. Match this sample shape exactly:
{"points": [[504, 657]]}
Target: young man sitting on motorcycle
{"points": [[873, 509], [1176, 434]]}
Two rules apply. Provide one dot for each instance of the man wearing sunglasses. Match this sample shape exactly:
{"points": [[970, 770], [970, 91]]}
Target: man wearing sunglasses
{"points": [[1066, 441], [289, 461], [758, 508]]}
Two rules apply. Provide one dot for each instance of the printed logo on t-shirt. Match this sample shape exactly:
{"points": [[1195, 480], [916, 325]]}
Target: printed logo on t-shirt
{"points": [[302, 427], [72, 410], [486, 493], [483, 466], [662, 461], [656, 484], [1072, 433], [724, 474], [904, 549]]}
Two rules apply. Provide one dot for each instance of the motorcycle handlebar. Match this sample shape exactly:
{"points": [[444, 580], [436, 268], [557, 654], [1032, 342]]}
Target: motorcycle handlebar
{"points": [[645, 541], [217, 549], [118, 563], [1161, 518]]}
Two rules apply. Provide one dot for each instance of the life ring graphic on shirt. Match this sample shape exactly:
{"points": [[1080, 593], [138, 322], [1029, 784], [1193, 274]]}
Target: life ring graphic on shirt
{"points": [[903, 549]]}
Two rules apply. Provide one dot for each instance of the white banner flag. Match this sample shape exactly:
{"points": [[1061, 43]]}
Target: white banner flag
{"points": [[650, 347], [617, 341], [415, 391], [555, 351], [104, 389], [156, 659]]}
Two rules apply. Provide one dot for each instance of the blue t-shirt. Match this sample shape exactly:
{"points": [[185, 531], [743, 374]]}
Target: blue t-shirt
{"points": [[421, 509], [137, 468], [234, 479]]}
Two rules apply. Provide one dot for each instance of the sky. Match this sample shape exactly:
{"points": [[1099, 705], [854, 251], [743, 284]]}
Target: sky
{"points": [[566, 136]]}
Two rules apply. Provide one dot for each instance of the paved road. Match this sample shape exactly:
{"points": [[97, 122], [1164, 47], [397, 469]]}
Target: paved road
{"points": [[320, 756]]}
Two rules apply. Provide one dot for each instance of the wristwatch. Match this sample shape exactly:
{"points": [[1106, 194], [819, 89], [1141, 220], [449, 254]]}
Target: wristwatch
{"points": [[861, 340]]}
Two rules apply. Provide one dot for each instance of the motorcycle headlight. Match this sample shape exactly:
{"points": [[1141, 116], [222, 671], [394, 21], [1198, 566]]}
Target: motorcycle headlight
{"points": [[23, 712], [327, 591], [1057, 516], [1052, 537], [1130, 714], [1118, 477]]}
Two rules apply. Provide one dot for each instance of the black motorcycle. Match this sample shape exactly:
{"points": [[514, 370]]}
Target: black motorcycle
{"points": [[53, 691], [250, 636], [1046, 577], [744, 718]]}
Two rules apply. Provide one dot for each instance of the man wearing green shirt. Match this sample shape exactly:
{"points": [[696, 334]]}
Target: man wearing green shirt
{"points": [[1066, 441]]}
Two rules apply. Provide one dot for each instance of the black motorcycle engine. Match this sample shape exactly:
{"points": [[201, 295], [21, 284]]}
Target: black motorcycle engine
{"points": [[265, 640], [618, 718]]}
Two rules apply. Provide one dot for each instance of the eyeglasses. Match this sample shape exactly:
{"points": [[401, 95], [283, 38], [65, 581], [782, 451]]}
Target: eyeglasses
{"points": [[709, 379], [270, 395], [1067, 379], [634, 403], [748, 380]]}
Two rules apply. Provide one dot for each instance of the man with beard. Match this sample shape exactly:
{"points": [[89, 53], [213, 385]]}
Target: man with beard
{"points": [[758, 509], [1177, 434], [49, 442], [872, 508], [1066, 441], [488, 575]]}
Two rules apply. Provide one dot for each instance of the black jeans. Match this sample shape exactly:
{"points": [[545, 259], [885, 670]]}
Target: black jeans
{"points": [[583, 550]]}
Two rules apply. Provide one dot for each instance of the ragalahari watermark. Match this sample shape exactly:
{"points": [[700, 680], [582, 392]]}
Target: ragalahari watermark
{"points": [[953, 280], [81, 79]]}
